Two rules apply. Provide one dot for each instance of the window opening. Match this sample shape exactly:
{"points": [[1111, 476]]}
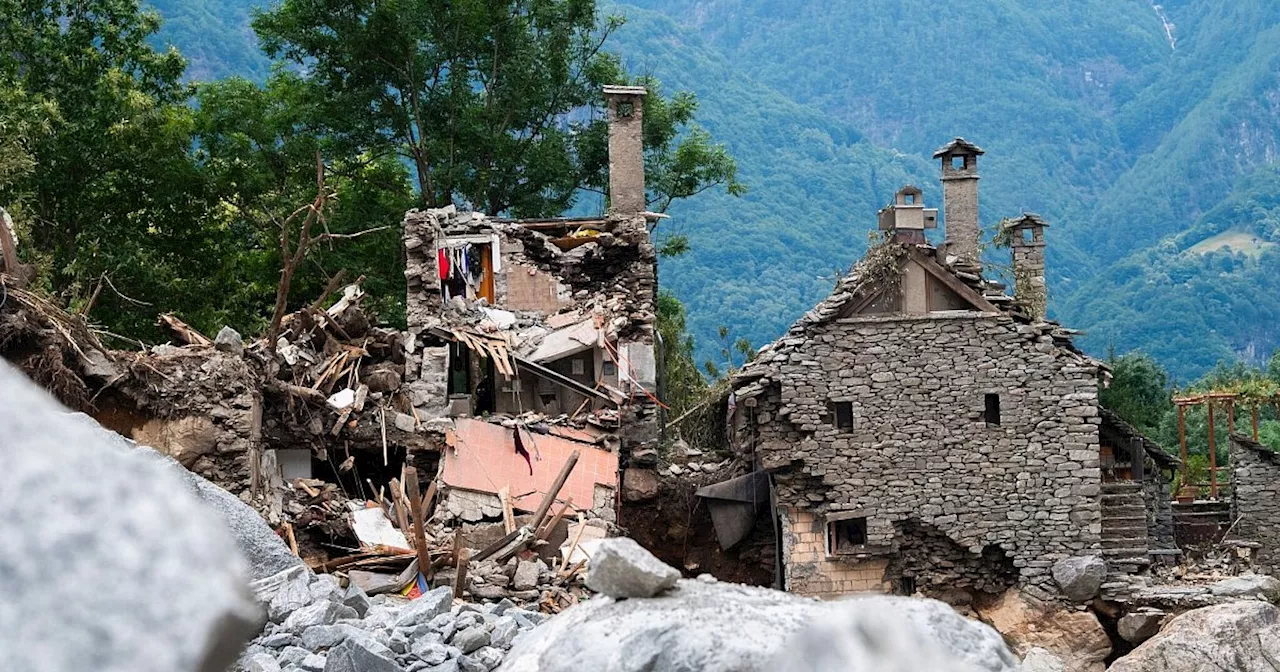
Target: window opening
{"points": [[843, 412], [957, 162], [907, 585], [846, 536], [991, 410]]}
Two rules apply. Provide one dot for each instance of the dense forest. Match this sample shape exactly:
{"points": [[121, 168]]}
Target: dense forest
{"points": [[1143, 132]]}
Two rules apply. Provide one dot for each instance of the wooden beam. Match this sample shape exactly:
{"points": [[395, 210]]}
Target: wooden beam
{"points": [[418, 523], [460, 562], [555, 520], [561, 478], [1213, 457], [1182, 440]]}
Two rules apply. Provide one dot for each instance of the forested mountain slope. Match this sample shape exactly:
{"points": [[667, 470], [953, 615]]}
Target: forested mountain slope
{"points": [[1138, 130]]}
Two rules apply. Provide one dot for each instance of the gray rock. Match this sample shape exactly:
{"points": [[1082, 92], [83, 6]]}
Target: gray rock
{"points": [[262, 548], [432, 653], [894, 634], [446, 666], [1138, 627], [325, 587], [326, 636], [504, 632], [526, 576], [261, 662], [622, 568], [316, 613], [488, 656], [1080, 577], [284, 592], [356, 599], [469, 664], [229, 340], [471, 639], [1040, 660], [722, 627], [351, 656], [425, 608], [315, 662], [278, 640], [1242, 635], [1248, 585], [292, 656], [109, 561]]}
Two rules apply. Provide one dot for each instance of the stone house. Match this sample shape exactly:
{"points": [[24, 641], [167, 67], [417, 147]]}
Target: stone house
{"points": [[544, 326], [1255, 502], [926, 432]]}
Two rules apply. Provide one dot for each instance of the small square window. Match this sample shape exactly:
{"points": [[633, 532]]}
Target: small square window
{"points": [[991, 409], [907, 585], [910, 199], [957, 162], [842, 414], [846, 536], [610, 369], [626, 109], [578, 367]]}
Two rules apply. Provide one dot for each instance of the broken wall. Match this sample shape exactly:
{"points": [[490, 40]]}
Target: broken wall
{"points": [[918, 446], [1255, 482]]}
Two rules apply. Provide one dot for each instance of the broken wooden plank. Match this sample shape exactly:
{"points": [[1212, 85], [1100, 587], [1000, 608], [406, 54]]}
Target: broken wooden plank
{"points": [[545, 531], [561, 478], [186, 333], [508, 513], [460, 564], [418, 523]]}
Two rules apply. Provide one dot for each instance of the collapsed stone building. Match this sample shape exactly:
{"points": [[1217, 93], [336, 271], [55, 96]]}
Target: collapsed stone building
{"points": [[529, 342], [926, 432]]}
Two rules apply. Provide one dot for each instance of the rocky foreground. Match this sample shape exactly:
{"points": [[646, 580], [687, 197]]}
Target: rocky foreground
{"points": [[117, 559]]}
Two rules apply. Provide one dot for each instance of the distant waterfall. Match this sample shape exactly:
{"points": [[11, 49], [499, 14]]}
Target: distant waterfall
{"points": [[1168, 25]]}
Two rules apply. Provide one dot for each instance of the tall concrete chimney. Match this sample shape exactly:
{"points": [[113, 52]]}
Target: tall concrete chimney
{"points": [[1026, 239], [626, 149], [960, 198]]}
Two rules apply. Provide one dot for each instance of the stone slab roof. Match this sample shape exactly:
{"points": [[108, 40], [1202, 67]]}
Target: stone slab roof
{"points": [[958, 146]]}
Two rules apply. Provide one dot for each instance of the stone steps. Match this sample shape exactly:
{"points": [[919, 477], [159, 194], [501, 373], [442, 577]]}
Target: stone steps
{"points": [[1125, 499], [1121, 487], [1125, 542], [1123, 512]]}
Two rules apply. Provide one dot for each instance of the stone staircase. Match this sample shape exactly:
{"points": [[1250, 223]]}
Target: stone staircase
{"points": [[1124, 527]]}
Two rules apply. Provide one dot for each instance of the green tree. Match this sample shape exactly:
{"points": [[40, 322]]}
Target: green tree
{"points": [[685, 385], [257, 149], [110, 192], [495, 104], [1139, 391]]}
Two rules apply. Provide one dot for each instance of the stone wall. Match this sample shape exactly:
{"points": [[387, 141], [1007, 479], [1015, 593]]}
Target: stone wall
{"points": [[201, 406], [1255, 479], [1159, 504], [919, 448]]}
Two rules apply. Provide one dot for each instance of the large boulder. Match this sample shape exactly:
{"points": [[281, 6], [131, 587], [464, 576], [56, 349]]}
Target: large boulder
{"points": [[1074, 636], [1080, 577], [109, 561], [1242, 635], [1139, 626], [1238, 635], [263, 550], [722, 627], [1260, 586], [622, 568]]}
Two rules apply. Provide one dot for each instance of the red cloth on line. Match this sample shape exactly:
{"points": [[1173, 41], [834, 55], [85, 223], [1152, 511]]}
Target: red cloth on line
{"points": [[442, 261]]}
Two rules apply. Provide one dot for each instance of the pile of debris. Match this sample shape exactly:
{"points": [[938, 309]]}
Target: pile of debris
{"points": [[317, 626]]}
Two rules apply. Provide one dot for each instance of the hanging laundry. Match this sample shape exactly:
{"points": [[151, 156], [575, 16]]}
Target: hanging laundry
{"points": [[443, 263]]}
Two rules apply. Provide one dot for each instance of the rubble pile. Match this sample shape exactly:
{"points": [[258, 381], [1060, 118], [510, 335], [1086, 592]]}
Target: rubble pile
{"points": [[317, 626]]}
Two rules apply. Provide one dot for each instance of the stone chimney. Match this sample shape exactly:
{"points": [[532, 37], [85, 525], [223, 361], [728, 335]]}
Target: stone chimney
{"points": [[626, 149], [960, 199], [1026, 239], [907, 218]]}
